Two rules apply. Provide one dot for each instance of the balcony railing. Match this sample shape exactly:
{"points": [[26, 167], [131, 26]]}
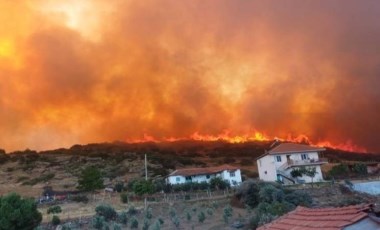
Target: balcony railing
{"points": [[291, 163], [306, 162]]}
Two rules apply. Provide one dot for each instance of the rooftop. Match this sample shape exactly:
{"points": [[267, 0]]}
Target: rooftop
{"points": [[202, 171], [319, 218], [294, 148]]}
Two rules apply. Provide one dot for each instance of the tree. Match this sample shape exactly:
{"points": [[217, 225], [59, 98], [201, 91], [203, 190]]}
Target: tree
{"points": [[360, 169], [310, 172], [142, 187], [90, 179], [219, 183], [18, 213], [107, 211]]}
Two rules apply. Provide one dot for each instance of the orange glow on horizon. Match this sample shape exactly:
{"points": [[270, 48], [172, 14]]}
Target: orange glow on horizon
{"points": [[256, 136]]}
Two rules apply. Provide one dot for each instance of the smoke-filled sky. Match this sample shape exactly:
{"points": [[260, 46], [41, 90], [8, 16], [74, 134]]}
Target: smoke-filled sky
{"points": [[79, 71]]}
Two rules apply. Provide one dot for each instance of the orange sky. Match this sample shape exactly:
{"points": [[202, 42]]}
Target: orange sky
{"points": [[77, 71]]}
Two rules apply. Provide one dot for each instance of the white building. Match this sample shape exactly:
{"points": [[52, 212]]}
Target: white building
{"points": [[277, 163], [225, 172]]}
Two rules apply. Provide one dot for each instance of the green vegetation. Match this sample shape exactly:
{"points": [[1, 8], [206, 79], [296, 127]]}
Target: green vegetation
{"points": [[201, 217], [18, 213], [43, 178], [54, 209], [55, 220], [90, 179], [269, 200], [106, 211], [141, 187]]}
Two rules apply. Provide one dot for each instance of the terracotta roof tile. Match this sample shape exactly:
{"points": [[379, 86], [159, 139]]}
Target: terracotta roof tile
{"points": [[294, 148], [202, 171], [318, 218]]}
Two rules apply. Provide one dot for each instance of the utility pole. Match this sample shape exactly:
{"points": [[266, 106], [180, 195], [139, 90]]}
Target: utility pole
{"points": [[146, 169]]}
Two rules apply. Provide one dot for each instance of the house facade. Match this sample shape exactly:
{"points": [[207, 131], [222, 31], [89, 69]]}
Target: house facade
{"points": [[228, 173], [278, 163]]}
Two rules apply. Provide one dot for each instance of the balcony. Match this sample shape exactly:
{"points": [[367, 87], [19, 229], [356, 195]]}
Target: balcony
{"points": [[297, 163]]}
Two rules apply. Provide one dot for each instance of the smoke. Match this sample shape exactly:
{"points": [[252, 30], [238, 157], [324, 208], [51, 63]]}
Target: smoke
{"points": [[89, 71]]}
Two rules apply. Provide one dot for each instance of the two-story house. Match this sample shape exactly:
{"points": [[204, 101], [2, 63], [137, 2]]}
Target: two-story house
{"points": [[277, 163]]}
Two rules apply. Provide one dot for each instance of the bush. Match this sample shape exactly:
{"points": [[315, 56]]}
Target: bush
{"points": [[148, 213], [146, 224], [54, 209], [119, 187], [227, 213], [172, 212], [18, 213], [188, 216], [339, 171], [116, 226], [79, 198], [156, 225], [219, 183], [98, 222], [248, 193], [142, 187], [55, 220], [209, 211], [299, 198], [270, 193], [201, 217], [360, 169], [124, 198], [107, 211], [122, 218], [132, 211], [134, 223], [90, 179], [176, 221]]}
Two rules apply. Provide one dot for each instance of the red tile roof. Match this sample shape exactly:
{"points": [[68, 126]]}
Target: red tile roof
{"points": [[202, 171], [294, 148], [318, 218]]}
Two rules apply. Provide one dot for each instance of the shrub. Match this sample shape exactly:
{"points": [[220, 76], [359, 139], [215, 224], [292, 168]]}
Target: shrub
{"points": [[188, 216], [148, 213], [132, 210], [172, 212], [339, 171], [227, 213], [360, 169], [124, 198], [122, 218], [107, 211], [161, 221], [18, 213], [248, 193], [90, 179], [156, 225], [209, 211], [142, 187], [298, 198], [201, 217], [146, 224], [219, 183], [55, 220], [176, 221], [79, 198], [269, 193], [116, 226], [98, 222], [54, 209], [119, 187], [134, 223]]}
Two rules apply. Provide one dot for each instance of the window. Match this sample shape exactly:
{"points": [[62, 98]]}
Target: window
{"points": [[178, 179], [232, 174], [278, 158], [207, 176], [304, 156]]}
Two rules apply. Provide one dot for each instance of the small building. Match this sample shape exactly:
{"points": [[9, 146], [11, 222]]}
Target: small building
{"points": [[227, 173], [343, 218], [277, 163]]}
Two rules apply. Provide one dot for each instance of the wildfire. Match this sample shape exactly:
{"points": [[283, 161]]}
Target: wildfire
{"points": [[254, 136]]}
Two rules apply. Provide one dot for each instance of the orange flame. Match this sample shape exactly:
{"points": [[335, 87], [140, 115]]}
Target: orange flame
{"points": [[254, 136]]}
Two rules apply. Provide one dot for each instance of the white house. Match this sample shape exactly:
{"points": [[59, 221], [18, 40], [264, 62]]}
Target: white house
{"points": [[277, 163], [226, 172]]}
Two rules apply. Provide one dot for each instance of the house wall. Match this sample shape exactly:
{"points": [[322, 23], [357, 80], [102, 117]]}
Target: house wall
{"points": [[225, 175], [233, 180], [317, 178], [268, 165], [267, 168]]}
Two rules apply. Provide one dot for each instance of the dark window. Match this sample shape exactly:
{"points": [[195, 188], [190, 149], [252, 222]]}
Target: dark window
{"points": [[208, 176], [278, 158], [304, 156]]}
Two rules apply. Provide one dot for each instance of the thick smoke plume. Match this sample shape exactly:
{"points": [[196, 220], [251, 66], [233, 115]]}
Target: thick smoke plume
{"points": [[77, 71]]}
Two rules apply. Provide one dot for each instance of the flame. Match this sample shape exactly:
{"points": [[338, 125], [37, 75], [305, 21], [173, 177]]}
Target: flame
{"points": [[254, 136]]}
